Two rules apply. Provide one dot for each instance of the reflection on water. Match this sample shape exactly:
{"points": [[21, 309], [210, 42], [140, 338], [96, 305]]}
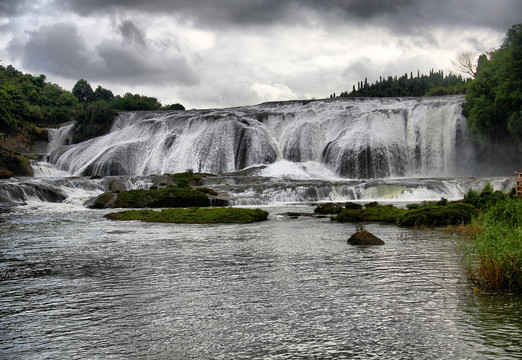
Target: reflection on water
{"points": [[77, 286]]}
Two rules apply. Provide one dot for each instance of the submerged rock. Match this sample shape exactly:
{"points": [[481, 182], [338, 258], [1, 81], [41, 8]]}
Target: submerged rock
{"points": [[364, 237]]}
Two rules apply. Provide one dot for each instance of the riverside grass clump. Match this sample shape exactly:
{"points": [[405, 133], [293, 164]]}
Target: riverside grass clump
{"points": [[494, 257], [193, 215]]}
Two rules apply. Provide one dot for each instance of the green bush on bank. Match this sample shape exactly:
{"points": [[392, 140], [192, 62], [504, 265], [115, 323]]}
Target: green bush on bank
{"points": [[193, 215], [438, 215], [494, 260]]}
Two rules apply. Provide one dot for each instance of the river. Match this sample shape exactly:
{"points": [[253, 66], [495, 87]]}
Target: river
{"points": [[76, 286]]}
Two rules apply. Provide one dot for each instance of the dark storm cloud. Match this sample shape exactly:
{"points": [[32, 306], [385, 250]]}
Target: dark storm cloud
{"points": [[397, 15], [206, 12], [137, 66], [60, 49], [13, 7], [131, 33]]}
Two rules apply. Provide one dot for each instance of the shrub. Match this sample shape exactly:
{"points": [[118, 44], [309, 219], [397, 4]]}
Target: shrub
{"points": [[472, 197], [452, 214]]}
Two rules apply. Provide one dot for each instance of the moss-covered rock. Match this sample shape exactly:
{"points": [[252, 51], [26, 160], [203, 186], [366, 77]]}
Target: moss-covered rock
{"points": [[188, 178], [328, 208], [173, 191], [102, 201], [374, 213], [352, 205], [193, 215], [364, 237], [207, 190], [14, 164], [161, 198], [451, 214]]}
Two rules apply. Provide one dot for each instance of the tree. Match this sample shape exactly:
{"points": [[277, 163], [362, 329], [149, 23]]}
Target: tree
{"points": [[466, 62], [83, 91], [494, 98], [179, 106], [103, 94]]}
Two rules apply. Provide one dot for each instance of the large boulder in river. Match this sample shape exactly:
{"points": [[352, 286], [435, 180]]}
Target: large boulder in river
{"points": [[364, 237]]}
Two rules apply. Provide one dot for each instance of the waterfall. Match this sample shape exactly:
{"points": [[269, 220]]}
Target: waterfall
{"points": [[351, 138], [59, 137]]}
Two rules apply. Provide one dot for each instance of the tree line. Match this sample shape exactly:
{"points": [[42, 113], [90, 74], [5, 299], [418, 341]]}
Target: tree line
{"points": [[27, 100], [420, 85]]}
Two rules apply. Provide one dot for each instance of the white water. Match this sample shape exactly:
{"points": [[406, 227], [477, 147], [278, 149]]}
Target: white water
{"points": [[350, 138], [408, 149], [59, 137]]}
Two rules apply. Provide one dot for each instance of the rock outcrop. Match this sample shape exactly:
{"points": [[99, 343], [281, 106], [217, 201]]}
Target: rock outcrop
{"points": [[364, 237]]}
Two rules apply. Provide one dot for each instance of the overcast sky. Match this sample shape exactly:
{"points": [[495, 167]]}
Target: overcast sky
{"points": [[217, 53]]}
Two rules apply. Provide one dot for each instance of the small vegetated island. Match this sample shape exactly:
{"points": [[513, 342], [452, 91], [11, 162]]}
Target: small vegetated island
{"points": [[183, 199]]}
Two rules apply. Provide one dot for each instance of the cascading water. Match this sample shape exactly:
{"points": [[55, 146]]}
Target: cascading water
{"points": [[354, 138], [59, 137], [396, 149]]}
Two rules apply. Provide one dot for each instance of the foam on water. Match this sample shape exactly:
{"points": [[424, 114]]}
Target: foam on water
{"points": [[289, 170]]}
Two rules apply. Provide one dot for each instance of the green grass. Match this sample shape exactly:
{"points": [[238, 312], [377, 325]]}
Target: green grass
{"points": [[193, 215], [494, 260]]}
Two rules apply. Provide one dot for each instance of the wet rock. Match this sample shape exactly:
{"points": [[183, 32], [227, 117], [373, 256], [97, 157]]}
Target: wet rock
{"points": [[104, 200], [364, 237], [116, 185], [14, 164]]}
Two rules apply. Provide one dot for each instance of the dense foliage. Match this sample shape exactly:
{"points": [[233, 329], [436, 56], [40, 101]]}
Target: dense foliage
{"points": [[28, 101], [422, 85], [28, 98], [494, 98]]}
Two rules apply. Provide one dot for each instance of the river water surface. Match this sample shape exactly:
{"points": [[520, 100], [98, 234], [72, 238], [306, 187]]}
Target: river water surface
{"points": [[76, 286]]}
